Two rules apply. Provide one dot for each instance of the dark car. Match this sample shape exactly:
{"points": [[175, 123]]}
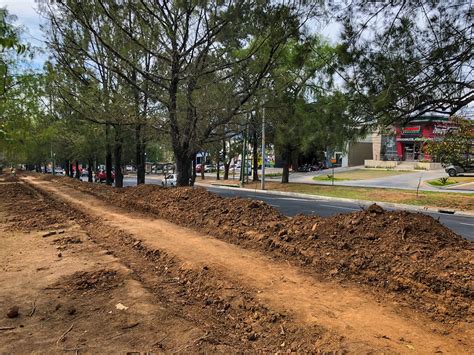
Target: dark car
{"points": [[457, 169]]}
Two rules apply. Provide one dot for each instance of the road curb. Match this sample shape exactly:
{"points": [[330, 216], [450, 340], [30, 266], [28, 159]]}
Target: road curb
{"points": [[430, 189], [364, 203]]}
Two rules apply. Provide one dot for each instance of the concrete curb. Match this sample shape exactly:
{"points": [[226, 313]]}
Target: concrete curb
{"points": [[459, 184], [364, 203], [429, 189]]}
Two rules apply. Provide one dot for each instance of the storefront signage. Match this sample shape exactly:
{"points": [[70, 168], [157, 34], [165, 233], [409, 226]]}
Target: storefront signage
{"points": [[411, 130], [416, 139]]}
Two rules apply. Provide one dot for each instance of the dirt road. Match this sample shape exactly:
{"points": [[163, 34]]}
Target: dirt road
{"points": [[232, 298]]}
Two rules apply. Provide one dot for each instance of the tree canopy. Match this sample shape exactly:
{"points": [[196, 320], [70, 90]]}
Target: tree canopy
{"points": [[400, 59]]}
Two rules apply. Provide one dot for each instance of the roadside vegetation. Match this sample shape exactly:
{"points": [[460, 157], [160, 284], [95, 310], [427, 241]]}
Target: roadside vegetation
{"points": [[448, 200], [359, 174], [451, 180], [410, 197]]}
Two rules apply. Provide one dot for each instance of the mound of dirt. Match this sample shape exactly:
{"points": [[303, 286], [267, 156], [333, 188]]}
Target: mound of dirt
{"points": [[25, 209], [410, 257], [94, 281], [10, 178]]}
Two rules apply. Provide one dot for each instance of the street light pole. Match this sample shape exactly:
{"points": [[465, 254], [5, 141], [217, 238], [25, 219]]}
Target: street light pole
{"points": [[263, 149], [52, 159]]}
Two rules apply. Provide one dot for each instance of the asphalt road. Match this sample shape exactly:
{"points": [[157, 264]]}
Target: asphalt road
{"points": [[291, 206]]}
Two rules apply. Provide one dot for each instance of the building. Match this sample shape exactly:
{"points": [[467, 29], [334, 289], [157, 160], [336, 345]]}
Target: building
{"points": [[356, 152], [406, 144], [411, 138]]}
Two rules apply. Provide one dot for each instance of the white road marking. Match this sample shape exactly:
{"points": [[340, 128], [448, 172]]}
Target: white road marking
{"points": [[271, 204], [467, 224], [298, 199], [342, 208]]}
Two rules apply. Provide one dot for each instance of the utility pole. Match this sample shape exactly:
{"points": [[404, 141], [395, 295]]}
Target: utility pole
{"points": [[243, 162], [263, 149], [247, 135]]}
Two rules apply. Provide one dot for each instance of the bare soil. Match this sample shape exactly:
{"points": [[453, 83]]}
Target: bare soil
{"points": [[409, 257], [267, 283], [88, 288]]}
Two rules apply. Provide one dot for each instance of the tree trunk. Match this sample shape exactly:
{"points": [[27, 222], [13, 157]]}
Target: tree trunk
{"points": [[285, 178], [203, 165], [118, 158], [45, 168], [78, 173], [218, 170], [224, 159], [255, 154], [108, 156], [226, 170], [66, 163], [140, 155], [183, 169], [89, 170], [294, 160]]}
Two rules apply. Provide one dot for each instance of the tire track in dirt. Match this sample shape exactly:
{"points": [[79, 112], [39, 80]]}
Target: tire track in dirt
{"points": [[280, 286], [221, 316]]}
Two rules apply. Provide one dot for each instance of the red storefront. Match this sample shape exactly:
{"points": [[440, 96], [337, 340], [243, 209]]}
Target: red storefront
{"points": [[410, 138]]}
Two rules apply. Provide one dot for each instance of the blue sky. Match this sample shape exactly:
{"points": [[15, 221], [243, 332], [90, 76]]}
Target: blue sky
{"points": [[30, 20]]}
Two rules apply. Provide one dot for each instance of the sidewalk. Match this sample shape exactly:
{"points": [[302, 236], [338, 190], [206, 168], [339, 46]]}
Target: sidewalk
{"points": [[468, 186]]}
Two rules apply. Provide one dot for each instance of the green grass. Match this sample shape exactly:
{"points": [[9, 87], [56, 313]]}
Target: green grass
{"points": [[442, 199], [451, 181], [360, 174], [437, 182], [424, 198], [329, 178]]}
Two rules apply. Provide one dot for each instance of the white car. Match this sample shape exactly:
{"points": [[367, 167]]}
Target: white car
{"points": [[170, 180]]}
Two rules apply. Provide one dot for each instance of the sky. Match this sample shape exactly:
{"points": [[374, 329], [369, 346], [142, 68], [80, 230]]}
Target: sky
{"points": [[30, 20]]}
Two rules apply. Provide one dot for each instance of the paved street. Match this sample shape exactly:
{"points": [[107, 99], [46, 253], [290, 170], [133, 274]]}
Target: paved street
{"points": [[291, 206]]}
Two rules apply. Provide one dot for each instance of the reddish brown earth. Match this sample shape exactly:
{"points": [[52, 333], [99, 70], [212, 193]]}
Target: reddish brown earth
{"points": [[408, 256], [364, 282]]}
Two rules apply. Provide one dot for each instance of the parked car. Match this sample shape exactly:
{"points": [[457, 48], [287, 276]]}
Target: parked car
{"points": [[101, 176], [170, 180], [59, 171], [209, 168], [157, 168], [198, 168], [310, 167], [455, 170]]}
